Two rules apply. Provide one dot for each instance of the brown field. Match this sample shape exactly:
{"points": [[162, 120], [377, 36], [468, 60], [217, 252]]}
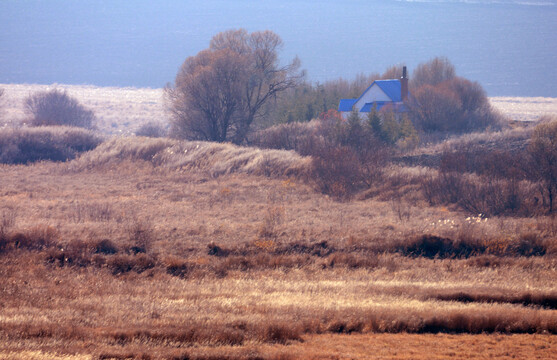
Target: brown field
{"points": [[160, 249]]}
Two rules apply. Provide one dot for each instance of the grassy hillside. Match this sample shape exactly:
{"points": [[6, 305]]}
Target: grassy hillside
{"points": [[162, 249]]}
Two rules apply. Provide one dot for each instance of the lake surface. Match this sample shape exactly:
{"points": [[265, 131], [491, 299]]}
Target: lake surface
{"points": [[510, 47]]}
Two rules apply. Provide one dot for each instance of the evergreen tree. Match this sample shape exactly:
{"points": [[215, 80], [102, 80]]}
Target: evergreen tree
{"points": [[374, 122], [408, 133], [390, 128], [354, 131]]}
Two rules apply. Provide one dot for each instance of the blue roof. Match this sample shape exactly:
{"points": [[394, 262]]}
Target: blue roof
{"points": [[391, 88], [346, 104]]}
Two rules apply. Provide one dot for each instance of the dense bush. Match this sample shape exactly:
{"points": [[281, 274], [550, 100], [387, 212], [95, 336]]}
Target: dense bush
{"points": [[491, 182], [26, 145], [543, 150], [55, 107], [509, 173], [442, 102], [347, 155]]}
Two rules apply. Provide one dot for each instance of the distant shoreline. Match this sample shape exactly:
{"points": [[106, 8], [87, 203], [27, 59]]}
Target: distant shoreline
{"points": [[122, 110]]}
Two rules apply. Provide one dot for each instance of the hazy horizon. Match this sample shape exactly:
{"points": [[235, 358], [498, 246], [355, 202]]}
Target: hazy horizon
{"points": [[507, 46]]}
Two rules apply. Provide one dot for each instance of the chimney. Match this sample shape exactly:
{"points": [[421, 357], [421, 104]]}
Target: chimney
{"points": [[404, 85]]}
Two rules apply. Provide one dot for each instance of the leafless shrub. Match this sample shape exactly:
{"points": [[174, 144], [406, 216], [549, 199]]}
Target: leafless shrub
{"points": [[292, 136], [279, 333], [141, 235], [431, 246], [442, 102], [178, 267], [75, 253], [336, 172], [8, 217], [402, 209], [39, 237], [56, 107], [216, 250], [151, 129], [91, 211], [433, 72], [120, 264], [484, 194], [26, 145], [105, 246], [543, 150], [273, 218]]}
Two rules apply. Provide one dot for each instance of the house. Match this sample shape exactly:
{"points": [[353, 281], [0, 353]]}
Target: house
{"points": [[392, 93]]}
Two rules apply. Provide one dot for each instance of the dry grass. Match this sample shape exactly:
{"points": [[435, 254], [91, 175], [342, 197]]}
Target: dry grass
{"points": [[152, 248], [213, 159], [236, 260]]}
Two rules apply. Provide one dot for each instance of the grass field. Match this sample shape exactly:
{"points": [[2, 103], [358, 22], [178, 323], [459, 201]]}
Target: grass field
{"points": [[160, 249]]}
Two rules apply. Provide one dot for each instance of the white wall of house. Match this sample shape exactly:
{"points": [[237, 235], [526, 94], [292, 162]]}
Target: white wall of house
{"points": [[373, 94]]}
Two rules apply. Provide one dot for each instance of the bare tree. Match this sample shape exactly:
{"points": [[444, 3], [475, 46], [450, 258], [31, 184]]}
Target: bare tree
{"points": [[433, 72], [433, 108], [220, 100], [393, 72], [56, 107], [442, 101], [205, 100]]}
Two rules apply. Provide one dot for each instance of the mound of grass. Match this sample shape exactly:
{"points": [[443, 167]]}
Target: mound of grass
{"points": [[215, 158], [28, 145]]}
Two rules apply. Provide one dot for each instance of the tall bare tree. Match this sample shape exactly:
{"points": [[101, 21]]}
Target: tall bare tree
{"points": [[207, 95], [433, 72], [219, 93]]}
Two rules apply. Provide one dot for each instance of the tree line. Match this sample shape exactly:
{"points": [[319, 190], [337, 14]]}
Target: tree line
{"points": [[238, 85]]}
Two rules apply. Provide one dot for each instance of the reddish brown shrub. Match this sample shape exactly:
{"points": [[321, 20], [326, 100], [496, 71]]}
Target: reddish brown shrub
{"points": [[431, 246], [215, 250], [106, 247], [178, 267], [120, 264], [279, 333]]}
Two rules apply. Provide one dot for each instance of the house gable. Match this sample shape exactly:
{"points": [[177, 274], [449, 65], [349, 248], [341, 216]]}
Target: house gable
{"points": [[374, 93], [391, 93]]}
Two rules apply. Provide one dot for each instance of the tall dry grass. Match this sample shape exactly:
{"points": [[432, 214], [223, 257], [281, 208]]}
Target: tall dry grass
{"points": [[213, 159], [154, 248]]}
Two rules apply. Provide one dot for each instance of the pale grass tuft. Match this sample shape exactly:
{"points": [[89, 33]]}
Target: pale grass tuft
{"points": [[213, 158]]}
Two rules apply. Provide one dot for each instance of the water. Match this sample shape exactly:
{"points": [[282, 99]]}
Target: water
{"points": [[510, 47]]}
